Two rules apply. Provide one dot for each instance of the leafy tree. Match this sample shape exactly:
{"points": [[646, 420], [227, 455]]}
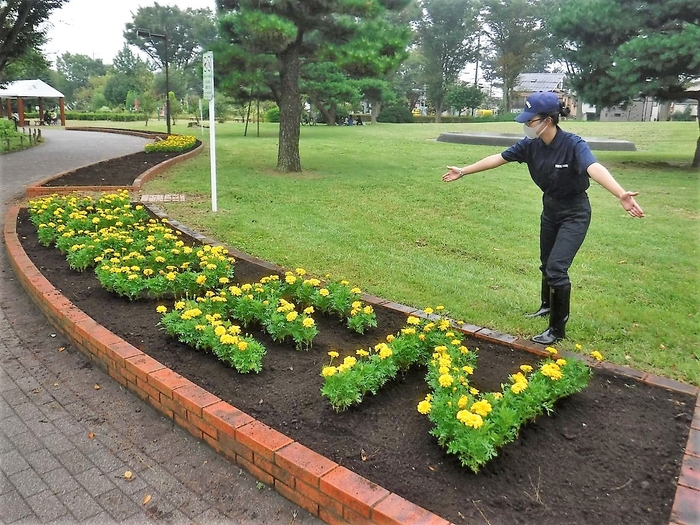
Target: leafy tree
{"points": [[446, 32], [407, 82], [515, 34], [32, 64], [285, 36], [625, 49], [77, 70], [131, 74], [22, 28], [147, 104], [188, 32], [462, 96]]}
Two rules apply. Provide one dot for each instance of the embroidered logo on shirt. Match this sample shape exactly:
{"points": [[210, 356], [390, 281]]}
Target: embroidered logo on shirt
{"points": [[561, 165]]}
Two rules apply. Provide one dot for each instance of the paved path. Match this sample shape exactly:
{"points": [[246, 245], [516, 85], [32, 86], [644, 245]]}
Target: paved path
{"points": [[69, 433]]}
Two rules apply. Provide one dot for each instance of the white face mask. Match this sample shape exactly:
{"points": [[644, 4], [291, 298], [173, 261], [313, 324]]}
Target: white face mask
{"points": [[533, 133]]}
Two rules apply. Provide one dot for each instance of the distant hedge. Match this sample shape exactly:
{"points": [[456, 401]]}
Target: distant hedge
{"points": [[80, 115]]}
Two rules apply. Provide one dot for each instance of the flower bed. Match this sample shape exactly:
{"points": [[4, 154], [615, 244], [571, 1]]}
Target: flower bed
{"points": [[138, 256]]}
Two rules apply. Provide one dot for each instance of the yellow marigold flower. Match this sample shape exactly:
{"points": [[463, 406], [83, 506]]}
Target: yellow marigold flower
{"points": [[133, 277], [160, 259], [526, 368], [179, 305], [408, 331], [519, 378], [223, 280], [367, 309], [482, 408], [355, 290], [445, 380], [201, 279], [390, 338], [385, 352], [170, 276], [552, 371], [350, 360], [242, 345], [468, 370], [219, 331], [444, 370], [333, 354], [424, 407], [412, 320], [561, 362], [597, 355], [428, 311], [147, 272], [308, 322], [473, 391], [200, 327], [329, 371], [291, 316], [324, 292], [246, 287], [161, 309], [463, 350], [516, 388], [300, 271], [234, 329], [470, 419], [441, 349], [356, 305], [362, 353], [551, 350], [290, 279], [309, 310], [235, 290], [578, 346], [497, 395], [463, 401], [439, 307]]}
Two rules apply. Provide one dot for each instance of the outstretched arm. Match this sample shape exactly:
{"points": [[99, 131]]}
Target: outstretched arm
{"points": [[487, 163], [602, 176]]}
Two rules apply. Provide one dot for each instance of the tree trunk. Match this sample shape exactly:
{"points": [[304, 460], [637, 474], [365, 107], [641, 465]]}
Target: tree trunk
{"points": [[376, 108], [696, 159], [288, 159]]}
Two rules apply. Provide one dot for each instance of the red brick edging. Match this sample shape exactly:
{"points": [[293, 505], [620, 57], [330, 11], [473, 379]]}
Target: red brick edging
{"points": [[315, 483], [37, 189]]}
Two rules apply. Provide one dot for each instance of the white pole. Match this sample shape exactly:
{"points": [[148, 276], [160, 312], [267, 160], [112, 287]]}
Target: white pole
{"points": [[212, 151], [201, 118]]}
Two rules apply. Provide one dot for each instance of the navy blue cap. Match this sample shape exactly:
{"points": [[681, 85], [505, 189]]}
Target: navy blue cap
{"points": [[537, 103]]}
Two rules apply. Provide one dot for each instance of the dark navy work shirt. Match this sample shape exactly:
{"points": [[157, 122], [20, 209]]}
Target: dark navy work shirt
{"points": [[558, 168]]}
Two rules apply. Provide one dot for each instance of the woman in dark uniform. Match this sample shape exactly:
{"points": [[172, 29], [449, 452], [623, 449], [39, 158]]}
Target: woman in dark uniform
{"points": [[560, 163]]}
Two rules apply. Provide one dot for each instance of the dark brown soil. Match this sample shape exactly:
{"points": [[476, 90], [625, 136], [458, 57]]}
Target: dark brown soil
{"points": [[115, 172], [610, 454]]}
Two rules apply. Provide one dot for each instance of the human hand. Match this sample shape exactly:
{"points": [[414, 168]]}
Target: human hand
{"points": [[630, 205], [454, 173]]}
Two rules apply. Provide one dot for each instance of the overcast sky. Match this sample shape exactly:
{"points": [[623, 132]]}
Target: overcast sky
{"points": [[94, 27]]}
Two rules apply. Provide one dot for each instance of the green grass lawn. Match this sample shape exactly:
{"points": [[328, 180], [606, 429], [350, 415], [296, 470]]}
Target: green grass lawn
{"points": [[370, 207]]}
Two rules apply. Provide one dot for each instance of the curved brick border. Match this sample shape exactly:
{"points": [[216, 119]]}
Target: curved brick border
{"points": [[37, 189]]}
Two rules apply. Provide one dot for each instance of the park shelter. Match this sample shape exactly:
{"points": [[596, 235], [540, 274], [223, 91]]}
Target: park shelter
{"points": [[36, 89]]}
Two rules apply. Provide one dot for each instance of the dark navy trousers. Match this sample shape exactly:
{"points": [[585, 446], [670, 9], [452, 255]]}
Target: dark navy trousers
{"points": [[563, 227]]}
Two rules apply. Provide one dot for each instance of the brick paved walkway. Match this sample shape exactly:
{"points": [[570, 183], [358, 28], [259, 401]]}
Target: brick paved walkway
{"points": [[69, 433]]}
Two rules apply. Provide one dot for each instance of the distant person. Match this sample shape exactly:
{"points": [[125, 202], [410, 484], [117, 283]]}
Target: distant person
{"points": [[349, 122], [560, 163], [359, 120], [47, 118]]}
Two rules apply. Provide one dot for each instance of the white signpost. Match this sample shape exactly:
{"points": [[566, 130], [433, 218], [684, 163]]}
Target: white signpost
{"points": [[208, 84]]}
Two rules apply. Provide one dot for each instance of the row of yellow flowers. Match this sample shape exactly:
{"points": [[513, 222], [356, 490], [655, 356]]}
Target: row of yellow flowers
{"points": [[175, 143], [267, 304], [474, 425], [134, 255]]}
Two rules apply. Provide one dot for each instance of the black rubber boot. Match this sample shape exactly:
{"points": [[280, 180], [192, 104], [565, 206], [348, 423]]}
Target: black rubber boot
{"points": [[559, 315], [545, 294]]}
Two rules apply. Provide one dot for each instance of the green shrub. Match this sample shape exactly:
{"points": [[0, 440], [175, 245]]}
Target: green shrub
{"points": [[272, 115]]}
